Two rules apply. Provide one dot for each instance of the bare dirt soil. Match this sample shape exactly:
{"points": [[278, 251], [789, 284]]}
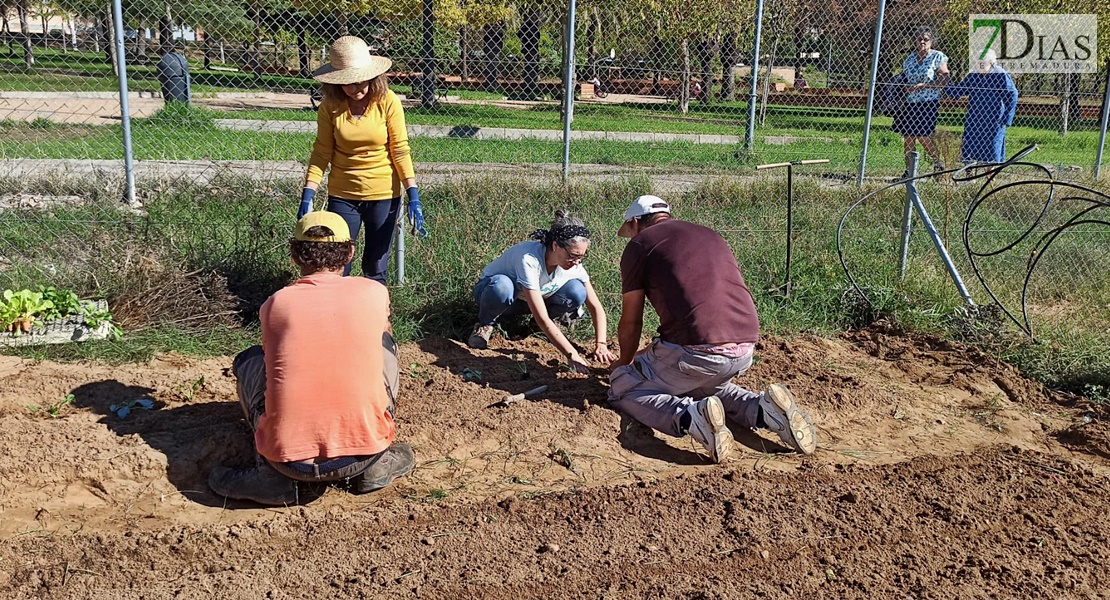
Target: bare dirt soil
{"points": [[941, 474]]}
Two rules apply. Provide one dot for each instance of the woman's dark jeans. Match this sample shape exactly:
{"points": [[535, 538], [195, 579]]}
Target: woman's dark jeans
{"points": [[380, 217]]}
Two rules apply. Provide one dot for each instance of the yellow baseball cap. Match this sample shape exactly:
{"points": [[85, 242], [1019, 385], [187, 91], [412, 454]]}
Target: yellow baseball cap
{"points": [[322, 218]]}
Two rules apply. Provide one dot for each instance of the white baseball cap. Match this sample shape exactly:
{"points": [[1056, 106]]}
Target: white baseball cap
{"points": [[644, 205]]}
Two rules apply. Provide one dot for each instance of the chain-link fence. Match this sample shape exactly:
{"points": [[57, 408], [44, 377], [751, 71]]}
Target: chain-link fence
{"points": [[661, 84], [661, 87]]}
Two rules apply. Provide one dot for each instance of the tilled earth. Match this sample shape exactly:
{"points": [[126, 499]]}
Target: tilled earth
{"points": [[941, 474]]}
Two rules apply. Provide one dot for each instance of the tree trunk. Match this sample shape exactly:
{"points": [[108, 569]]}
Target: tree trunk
{"points": [[165, 30], [684, 79], [529, 34], [730, 55], [767, 79], [110, 43], [1065, 104], [706, 49], [141, 44], [207, 52], [304, 69], [656, 52], [464, 71], [104, 34], [428, 55], [493, 48], [1073, 91], [254, 64], [24, 28], [593, 28]]}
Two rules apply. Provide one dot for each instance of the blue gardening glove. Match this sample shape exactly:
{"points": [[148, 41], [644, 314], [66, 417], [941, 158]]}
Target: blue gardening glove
{"points": [[416, 213], [307, 195]]}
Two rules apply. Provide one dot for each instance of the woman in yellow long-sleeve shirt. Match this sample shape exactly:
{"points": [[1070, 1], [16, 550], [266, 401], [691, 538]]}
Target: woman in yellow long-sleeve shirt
{"points": [[360, 132]]}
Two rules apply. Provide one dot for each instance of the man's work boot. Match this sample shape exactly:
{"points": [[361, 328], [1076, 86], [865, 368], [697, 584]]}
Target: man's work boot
{"points": [[780, 414], [707, 426], [398, 460], [261, 484], [479, 338]]}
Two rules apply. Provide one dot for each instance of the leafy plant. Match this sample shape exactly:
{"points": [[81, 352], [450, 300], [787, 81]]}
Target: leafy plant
{"points": [[64, 303], [125, 408], [95, 317], [20, 308], [53, 410]]}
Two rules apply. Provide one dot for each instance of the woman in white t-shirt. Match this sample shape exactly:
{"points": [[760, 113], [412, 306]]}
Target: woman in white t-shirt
{"points": [[544, 277]]}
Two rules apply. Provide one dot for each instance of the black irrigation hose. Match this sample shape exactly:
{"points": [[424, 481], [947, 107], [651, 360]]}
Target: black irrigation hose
{"points": [[988, 172]]}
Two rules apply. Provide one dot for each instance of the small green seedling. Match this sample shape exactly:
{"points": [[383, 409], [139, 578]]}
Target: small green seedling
{"points": [[124, 409], [469, 374], [435, 494], [94, 317], [189, 391], [520, 365], [54, 410]]}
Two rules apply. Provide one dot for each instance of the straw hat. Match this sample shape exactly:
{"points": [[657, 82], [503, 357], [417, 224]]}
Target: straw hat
{"points": [[351, 62]]}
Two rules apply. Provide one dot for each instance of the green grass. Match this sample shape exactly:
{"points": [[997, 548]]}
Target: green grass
{"points": [[239, 229], [191, 136]]}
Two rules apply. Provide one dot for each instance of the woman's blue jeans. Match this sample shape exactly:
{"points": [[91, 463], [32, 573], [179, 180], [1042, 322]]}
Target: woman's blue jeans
{"points": [[497, 297], [380, 217]]}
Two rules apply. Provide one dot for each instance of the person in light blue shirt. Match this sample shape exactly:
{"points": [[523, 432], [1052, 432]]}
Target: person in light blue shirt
{"points": [[926, 72], [544, 277]]}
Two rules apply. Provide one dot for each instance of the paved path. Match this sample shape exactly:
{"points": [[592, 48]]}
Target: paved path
{"points": [[202, 172], [99, 108], [493, 133]]}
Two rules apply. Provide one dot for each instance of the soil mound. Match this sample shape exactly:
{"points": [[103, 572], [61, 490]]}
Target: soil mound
{"points": [[941, 472]]}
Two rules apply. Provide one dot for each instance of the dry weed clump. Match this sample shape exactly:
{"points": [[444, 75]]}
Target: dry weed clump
{"points": [[157, 292]]}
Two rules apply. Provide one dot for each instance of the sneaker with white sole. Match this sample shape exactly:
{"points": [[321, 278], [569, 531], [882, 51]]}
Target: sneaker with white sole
{"points": [[707, 426], [479, 338], [782, 416]]}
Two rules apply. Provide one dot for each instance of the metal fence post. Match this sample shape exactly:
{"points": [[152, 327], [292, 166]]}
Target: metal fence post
{"points": [[399, 255], [913, 202], [871, 90], [907, 216], [125, 111], [1103, 120], [749, 137], [568, 90]]}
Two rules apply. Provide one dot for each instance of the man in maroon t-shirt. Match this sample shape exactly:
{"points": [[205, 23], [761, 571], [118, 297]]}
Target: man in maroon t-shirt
{"points": [[682, 382]]}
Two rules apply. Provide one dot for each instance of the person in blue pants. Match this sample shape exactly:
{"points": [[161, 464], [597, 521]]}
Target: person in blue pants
{"points": [[992, 102], [544, 277]]}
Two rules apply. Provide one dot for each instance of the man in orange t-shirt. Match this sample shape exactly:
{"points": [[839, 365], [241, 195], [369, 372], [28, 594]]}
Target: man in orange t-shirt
{"points": [[319, 391]]}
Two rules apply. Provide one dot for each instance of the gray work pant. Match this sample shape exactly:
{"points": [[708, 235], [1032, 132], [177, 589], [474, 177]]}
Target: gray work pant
{"points": [[667, 378]]}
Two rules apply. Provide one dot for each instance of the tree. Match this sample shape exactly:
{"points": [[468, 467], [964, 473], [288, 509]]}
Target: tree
{"points": [[28, 51]]}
